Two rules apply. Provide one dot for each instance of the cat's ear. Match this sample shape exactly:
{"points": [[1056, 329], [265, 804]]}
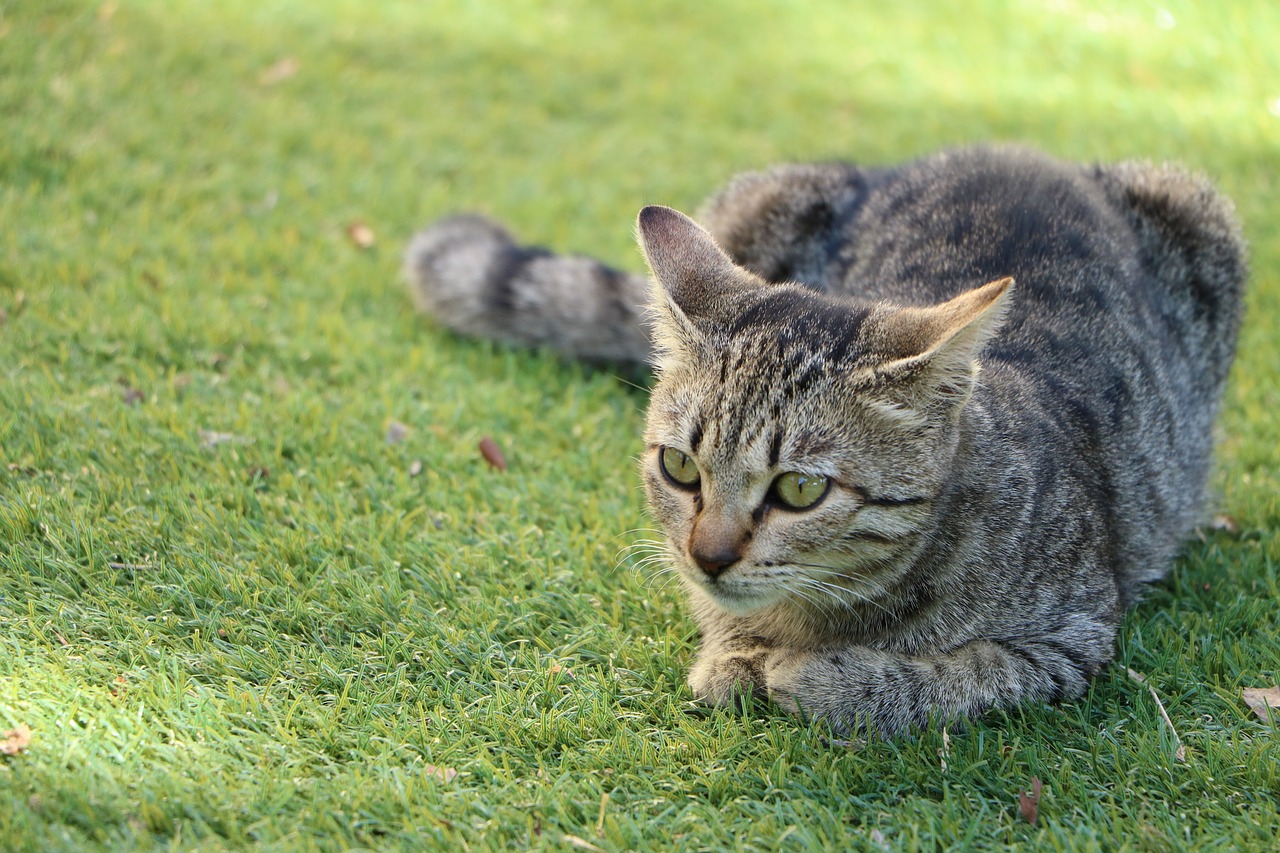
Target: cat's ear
{"points": [[694, 279], [696, 274], [931, 354]]}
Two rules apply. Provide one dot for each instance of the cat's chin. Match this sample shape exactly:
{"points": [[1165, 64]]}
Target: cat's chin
{"points": [[737, 599]]}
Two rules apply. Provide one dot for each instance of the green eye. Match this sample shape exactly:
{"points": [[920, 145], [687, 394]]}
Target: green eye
{"points": [[800, 491], [679, 468]]}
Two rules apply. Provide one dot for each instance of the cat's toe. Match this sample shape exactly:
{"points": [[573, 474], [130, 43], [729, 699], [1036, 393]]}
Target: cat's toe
{"points": [[735, 680]]}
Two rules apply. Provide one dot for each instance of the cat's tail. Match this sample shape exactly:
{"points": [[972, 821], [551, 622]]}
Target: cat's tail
{"points": [[1191, 241], [471, 275]]}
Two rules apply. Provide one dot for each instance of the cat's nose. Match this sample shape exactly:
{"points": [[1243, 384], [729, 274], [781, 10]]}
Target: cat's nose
{"points": [[714, 563]]}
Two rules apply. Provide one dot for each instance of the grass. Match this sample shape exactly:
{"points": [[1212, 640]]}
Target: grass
{"points": [[232, 613]]}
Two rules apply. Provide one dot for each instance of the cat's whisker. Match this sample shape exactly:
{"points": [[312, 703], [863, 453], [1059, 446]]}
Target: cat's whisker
{"points": [[829, 570], [642, 542], [655, 560], [647, 562], [831, 606], [843, 593], [834, 606], [642, 547], [666, 576], [808, 592], [859, 598], [832, 571], [652, 530], [634, 532]]}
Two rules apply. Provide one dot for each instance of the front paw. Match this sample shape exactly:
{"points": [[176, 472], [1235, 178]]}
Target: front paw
{"points": [[736, 678], [782, 674], [732, 679]]}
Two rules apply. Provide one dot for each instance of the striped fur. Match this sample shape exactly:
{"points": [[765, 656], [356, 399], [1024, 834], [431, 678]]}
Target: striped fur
{"points": [[469, 273], [1007, 369]]}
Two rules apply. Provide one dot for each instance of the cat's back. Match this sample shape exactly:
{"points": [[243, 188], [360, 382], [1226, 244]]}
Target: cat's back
{"points": [[1112, 361], [1072, 235], [1113, 263]]}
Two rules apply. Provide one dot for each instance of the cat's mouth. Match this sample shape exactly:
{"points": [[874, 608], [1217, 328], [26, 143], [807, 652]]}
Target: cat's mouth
{"points": [[738, 591], [817, 587]]}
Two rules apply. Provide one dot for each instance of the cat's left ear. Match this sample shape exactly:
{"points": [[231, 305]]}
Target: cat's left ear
{"points": [[931, 354]]}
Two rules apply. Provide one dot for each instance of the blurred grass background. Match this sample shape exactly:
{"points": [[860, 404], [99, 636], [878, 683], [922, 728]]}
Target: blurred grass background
{"points": [[234, 614]]}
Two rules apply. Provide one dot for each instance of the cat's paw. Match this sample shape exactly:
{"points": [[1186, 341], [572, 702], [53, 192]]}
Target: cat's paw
{"points": [[782, 676], [733, 679]]}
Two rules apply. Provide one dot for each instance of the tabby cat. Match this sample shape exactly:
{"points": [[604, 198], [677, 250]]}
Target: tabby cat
{"points": [[919, 434]]}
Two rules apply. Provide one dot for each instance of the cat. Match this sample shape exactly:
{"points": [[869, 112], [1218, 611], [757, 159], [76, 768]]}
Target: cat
{"points": [[919, 435]]}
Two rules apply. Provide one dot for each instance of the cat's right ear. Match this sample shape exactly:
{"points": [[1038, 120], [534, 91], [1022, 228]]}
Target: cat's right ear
{"points": [[693, 273], [694, 278], [696, 274]]}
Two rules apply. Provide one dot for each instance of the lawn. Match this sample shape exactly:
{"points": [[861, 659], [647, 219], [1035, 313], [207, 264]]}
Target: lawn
{"points": [[258, 585]]}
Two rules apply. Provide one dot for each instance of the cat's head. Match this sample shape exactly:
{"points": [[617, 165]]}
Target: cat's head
{"points": [[796, 442]]}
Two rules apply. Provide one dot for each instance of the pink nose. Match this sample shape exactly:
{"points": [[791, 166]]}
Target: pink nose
{"points": [[715, 563]]}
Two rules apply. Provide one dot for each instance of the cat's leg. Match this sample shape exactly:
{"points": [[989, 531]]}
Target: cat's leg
{"points": [[472, 276], [778, 223], [856, 688]]}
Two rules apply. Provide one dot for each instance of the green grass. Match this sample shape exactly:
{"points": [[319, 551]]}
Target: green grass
{"points": [[272, 641]]}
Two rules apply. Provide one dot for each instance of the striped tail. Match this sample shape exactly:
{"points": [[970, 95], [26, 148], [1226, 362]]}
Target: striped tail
{"points": [[471, 275]]}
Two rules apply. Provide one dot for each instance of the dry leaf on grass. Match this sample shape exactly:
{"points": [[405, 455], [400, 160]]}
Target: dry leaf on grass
{"points": [[1220, 523], [212, 438], [1265, 702], [15, 740], [397, 432], [1225, 523], [1029, 802], [278, 72], [492, 453], [361, 234], [444, 774]]}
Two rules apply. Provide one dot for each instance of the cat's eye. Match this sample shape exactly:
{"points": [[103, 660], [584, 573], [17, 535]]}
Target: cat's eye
{"points": [[679, 468], [800, 491]]}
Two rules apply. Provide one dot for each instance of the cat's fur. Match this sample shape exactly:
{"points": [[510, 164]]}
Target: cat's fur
{"points": [[985, 529]]}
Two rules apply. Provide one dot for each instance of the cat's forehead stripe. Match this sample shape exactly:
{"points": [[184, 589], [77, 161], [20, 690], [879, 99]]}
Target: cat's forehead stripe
{"points": [[695, 437]]}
